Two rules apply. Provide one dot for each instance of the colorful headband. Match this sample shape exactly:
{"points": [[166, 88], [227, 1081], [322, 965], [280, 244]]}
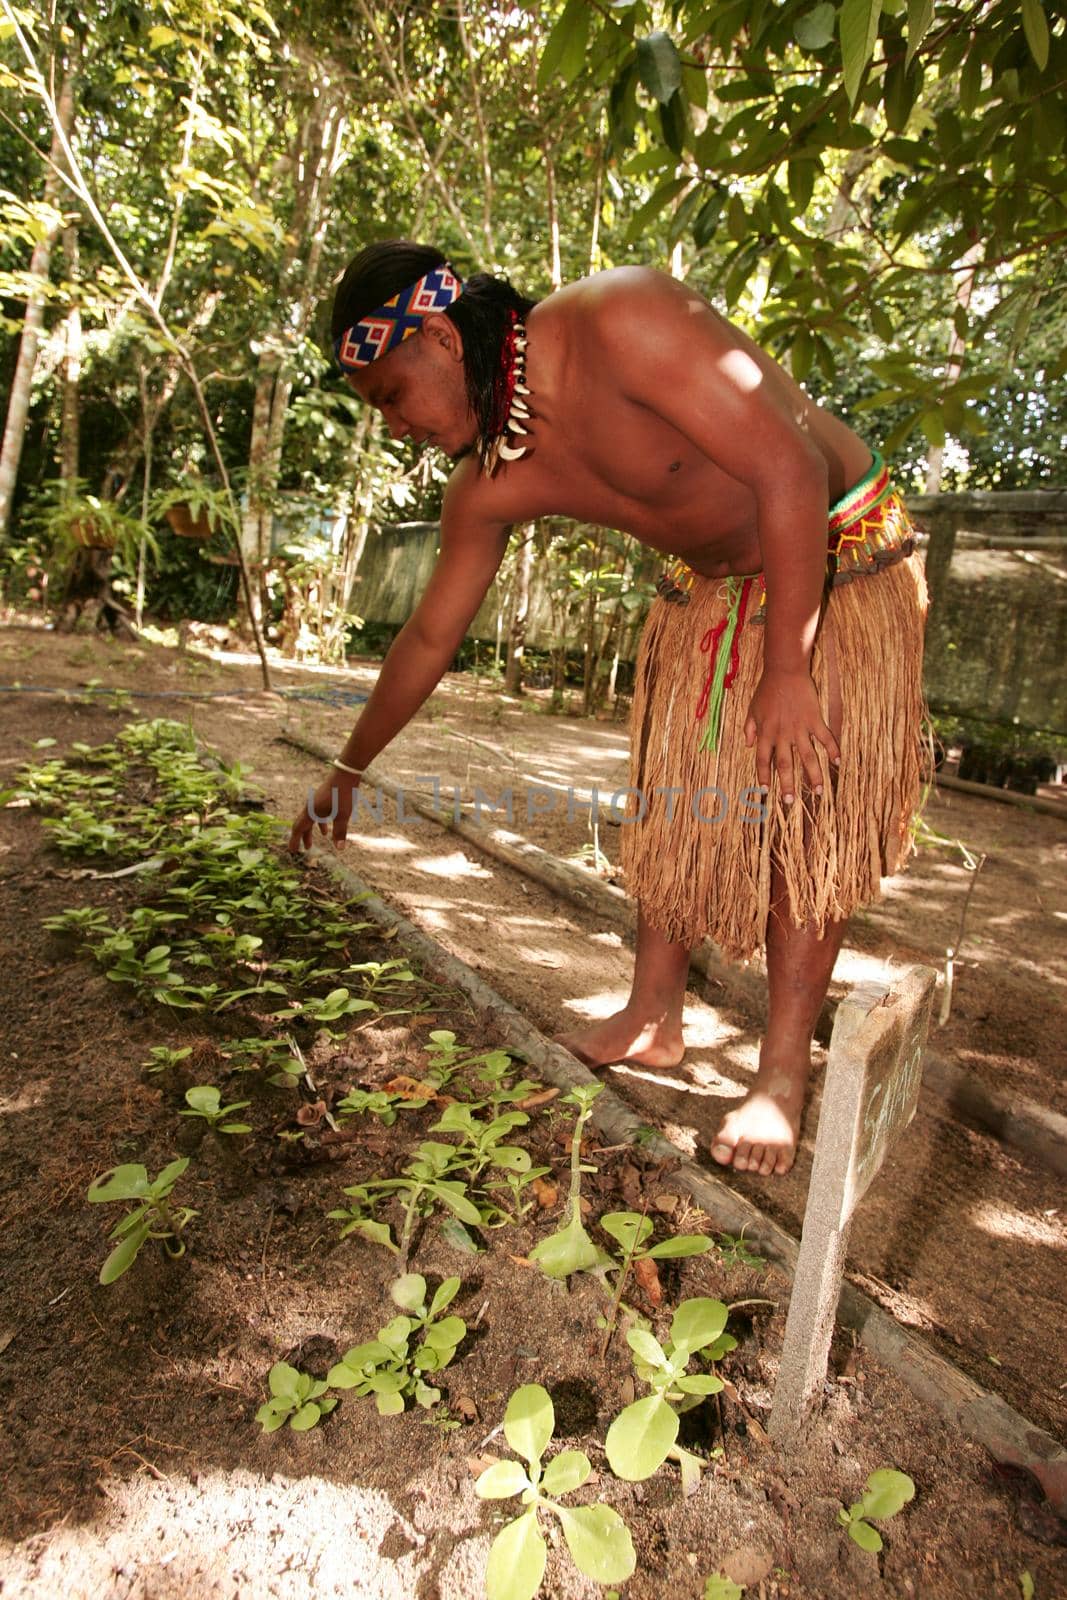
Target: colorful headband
{"points": [[374, 335]]}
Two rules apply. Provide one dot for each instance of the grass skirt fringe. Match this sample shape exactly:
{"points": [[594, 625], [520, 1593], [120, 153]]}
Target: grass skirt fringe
{"points": [[711, 878]]}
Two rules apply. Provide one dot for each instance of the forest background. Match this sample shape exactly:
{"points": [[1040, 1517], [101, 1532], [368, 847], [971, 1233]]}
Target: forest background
{"points": [[874, 189]]}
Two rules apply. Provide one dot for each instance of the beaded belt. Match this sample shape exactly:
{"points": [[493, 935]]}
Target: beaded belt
{"points": [[869, 530]]}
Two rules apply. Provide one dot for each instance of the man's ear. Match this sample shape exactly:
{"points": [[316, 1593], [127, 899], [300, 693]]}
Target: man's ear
{"points": [[443, 331]]}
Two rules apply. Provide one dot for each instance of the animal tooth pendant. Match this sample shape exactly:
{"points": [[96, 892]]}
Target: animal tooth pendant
{"points": [[513, 400]]}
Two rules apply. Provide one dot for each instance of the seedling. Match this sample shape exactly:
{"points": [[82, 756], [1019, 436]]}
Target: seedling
{"points": [[631, 1230], [81, 922], [338, 1003], [296, 1398], [391, 1367], [425, 1186], [571, 1249], [376, 1103], [149, 974], [161, 1057], [887, 1492], [597, 1537], [205, 1101], [383, 975], [480, 1146], [151, 1218], [735, 1252], [645, 1434]]}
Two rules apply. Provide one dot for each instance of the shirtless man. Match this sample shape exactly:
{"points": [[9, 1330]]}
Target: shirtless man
{"points": [[644, 410]]}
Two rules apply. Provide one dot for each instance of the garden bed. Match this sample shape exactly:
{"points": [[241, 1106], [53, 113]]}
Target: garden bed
{"points": [[136, 1467]]}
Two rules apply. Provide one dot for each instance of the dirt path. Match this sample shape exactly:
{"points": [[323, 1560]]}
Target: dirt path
{"points": [[957, 1238]]}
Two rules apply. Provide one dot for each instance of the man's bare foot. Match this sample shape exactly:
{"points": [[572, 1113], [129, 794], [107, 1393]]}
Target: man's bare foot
{"points": [[761, 1135], [623, 1037]]}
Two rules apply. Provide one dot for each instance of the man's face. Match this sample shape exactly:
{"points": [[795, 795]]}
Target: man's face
{"points": [[420, 390]]}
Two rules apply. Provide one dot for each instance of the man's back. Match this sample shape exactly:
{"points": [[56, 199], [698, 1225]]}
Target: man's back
{"points": [[653, 415]]}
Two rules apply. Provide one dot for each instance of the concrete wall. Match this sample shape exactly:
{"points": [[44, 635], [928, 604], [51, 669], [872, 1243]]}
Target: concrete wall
{"points": [[996, 638]]}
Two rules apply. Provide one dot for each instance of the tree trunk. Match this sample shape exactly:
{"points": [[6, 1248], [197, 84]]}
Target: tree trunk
{"points": [[18, 408], [69, 428], [519, 612]]}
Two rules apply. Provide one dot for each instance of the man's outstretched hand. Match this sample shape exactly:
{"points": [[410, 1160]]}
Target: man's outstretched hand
{"points": [[784, 716], [329, 809]]}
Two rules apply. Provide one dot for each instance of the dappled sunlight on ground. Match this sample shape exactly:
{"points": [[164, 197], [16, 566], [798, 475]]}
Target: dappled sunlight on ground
{"points": [[1004, 1221], [382, 843], [456, 865], [176, 1539]]}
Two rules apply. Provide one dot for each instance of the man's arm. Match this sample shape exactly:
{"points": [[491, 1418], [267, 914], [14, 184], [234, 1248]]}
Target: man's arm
{"points": [[470, 555], [671, 353]]}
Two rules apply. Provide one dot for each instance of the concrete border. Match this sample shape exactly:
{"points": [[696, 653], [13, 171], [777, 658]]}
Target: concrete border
{"points": [[1017, 1122], [1007, 1435]]}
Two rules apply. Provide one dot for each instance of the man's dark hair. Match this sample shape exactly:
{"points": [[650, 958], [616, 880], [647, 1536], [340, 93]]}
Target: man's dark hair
{"points": [[481, 312]]}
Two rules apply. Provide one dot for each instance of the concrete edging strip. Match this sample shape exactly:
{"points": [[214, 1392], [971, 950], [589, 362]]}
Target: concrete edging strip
{"points": [[984, 1417], [1017, 1122]]}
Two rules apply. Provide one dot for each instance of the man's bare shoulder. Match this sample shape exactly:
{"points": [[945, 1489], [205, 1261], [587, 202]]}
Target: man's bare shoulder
{"points": [[473, 504], [630, 289]]}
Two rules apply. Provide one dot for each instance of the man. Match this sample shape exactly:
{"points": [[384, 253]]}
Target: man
{"points": [[768, 679]]}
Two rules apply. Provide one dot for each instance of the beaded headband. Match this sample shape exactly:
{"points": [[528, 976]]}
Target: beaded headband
{"points": [[380, 331]]}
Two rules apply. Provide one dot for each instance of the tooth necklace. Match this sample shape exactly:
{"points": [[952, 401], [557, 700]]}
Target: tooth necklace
{"points": [[511, 412]]}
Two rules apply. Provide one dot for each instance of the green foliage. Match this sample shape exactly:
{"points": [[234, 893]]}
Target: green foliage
{"points": [[571, 1249], [393, 1366], [887, 1492], [205, 1101], [296, 1398], [597, 1538], [841, 162], [151, 1218], [643, 1435], [719, 1587]]}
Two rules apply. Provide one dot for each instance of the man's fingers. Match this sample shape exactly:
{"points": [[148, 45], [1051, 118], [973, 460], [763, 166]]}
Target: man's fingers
{"points": [[764, 754]]}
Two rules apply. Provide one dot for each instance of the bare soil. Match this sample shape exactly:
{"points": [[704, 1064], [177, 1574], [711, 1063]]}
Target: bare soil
{"points": [[132, 1465]]}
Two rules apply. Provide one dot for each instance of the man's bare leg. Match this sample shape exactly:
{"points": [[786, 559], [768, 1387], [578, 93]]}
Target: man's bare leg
{"points": [[761, 1135], [648, 1029]]}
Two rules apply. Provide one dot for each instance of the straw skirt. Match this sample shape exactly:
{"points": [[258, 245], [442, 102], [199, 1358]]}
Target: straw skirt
{"points": [[699, 843]]}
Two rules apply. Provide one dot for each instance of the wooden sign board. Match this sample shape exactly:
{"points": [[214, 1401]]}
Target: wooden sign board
{"points": [[869, 1097]]}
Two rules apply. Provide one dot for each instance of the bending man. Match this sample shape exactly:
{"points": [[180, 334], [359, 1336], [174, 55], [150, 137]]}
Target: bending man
{"points": [[776, 730]]}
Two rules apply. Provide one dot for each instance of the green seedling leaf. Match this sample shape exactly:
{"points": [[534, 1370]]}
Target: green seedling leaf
{"points": [[565, 1472], [454, 1233], [888, 1492], [718, 1586], [283, 1381], [683, 1244], [124, 1254], [646, 1347], [529, 1421], [517, 1559], [697, 1322], [864, 1535], [502, 1480], [128, 1182], [629, 1228], [450, 1193], [569, 1250], [600, 1542], [1026, 1584], [306, 1417], [641, 1438], [409, 1292], [444, 1296]]}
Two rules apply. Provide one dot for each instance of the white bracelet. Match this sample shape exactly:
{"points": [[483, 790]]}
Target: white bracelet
{"points": [[357, 772]]}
